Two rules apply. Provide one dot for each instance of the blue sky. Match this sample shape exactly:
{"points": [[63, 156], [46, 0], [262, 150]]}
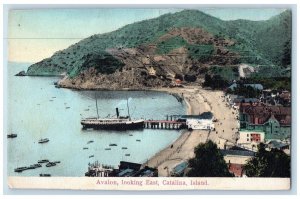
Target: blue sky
{"points": [[37, 34]]}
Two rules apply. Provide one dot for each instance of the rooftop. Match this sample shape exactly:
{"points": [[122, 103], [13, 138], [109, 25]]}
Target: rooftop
{"points": [[264, 113], [237, 152]]}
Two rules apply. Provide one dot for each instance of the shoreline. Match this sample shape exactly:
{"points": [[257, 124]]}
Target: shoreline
{"points": [[198, 100]]}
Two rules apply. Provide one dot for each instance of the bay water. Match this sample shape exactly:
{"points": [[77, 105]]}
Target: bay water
{"points": [[36, 110]]}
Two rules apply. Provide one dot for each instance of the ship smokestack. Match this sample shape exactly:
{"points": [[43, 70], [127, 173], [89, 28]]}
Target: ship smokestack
{"points": [[117, 111]]}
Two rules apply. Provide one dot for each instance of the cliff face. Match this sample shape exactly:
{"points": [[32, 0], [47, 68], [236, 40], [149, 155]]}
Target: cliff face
{"points": [[152, 53]]}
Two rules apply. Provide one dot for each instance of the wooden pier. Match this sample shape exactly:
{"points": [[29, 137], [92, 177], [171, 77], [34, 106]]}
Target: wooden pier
{"points": [[164, 124]]}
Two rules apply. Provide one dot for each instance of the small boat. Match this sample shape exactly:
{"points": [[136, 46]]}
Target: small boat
{"points": [[113, 145], [51, 100], [43, 161], [34, 166], [20, 169], [86, 109], [107, 149], [50, 164], [67, 107], [91, 156], [130, 135], [12, 135], [124, 147], [84, 148], [127, 154], [138, 140], [43, 140], [45, 175], [53, 97], [91, 141], [56, 162]]}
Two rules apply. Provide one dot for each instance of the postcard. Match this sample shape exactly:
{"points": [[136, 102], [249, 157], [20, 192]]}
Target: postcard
{"points": [[149, 99]]}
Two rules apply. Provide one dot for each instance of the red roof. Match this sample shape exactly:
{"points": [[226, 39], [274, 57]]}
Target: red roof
{"points": [[259, 114]]}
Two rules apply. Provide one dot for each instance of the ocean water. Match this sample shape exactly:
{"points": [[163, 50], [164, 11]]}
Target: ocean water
{"points": [[36, 109]]}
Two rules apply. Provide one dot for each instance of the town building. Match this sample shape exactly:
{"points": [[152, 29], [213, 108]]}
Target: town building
{"points": [[236, 158], [203, 121], [250, 139], [275, 121]]}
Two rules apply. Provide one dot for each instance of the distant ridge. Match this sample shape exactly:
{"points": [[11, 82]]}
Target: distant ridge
{"points": [[178, 44]]}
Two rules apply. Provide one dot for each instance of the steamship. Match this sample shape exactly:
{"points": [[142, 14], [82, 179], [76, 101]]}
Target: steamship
{"points": [[114, 123]]}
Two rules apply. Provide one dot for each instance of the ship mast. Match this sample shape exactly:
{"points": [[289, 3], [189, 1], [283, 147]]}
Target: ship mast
{"points": [[97, 106], [128, 110]]}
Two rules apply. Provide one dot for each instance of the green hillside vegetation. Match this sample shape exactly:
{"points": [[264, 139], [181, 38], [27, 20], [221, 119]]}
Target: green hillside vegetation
{"points": [[200, 52], [167, 46], [228, 73], [197, 52], [262, 42]]}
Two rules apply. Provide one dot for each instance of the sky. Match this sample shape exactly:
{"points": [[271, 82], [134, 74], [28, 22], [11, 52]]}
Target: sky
{"points": [[36, 34]]}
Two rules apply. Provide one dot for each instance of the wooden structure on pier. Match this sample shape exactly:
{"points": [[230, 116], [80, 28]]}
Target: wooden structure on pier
{"points": [[164, 124]]}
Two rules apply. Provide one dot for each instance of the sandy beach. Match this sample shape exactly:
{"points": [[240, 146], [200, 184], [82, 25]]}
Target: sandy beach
{"points": [[198, 100]]}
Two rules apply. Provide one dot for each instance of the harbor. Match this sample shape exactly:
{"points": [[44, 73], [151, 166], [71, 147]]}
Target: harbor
{"points": [[67, 139]]}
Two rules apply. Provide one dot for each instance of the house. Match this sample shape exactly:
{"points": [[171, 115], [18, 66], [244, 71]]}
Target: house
{"points": [[277, 144], [152, 71], [275, 121], [236, 158], [250, 139]]}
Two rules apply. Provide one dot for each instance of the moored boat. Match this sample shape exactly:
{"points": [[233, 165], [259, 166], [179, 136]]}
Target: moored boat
{"points": [[12, 135], [50, 164], [45, 175], [43, 161], [34, 166], [45, 140], [116, 123], [20, 169]]}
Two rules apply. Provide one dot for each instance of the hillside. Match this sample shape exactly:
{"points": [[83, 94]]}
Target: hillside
{"points": [[153, 52]]}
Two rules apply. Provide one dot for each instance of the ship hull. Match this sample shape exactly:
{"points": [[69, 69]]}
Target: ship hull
{"points": [[116, 126]]}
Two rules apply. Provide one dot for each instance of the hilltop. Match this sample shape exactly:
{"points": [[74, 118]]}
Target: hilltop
{"points": [[184, 45]]}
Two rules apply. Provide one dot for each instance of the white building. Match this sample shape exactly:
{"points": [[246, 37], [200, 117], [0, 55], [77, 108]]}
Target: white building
{"points": [[200, 124], [250, 139]]}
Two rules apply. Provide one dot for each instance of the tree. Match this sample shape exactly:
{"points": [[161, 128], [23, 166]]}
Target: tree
{"points": [[208, 162], [274, 163]]}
